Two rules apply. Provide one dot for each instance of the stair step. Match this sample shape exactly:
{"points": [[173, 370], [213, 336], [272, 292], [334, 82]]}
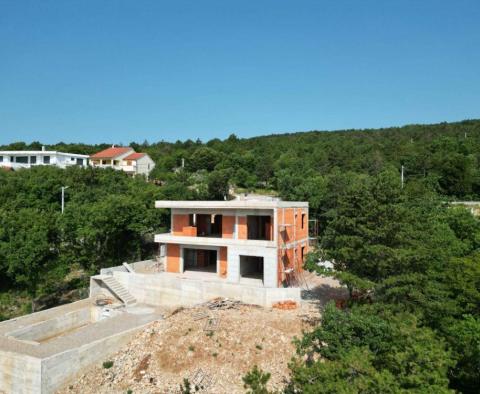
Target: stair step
{"points": [[119, 290]]}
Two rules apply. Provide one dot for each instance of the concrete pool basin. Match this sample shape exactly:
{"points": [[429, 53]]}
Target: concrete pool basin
{"points": [[41, 351]]}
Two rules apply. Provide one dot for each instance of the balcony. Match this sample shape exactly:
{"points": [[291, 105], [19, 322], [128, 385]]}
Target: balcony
{"points": [[169, 238]]}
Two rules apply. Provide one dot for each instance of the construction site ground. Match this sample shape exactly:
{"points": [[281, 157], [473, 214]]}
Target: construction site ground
{"points": [[211, 347]]}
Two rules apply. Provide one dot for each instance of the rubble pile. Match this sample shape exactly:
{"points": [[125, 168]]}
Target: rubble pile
{"points": [[285, 305], [212, 345]]}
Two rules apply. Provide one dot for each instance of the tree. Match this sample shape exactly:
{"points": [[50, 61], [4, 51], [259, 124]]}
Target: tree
{"points": [[28, 246], [371, 348], [255, 381]]}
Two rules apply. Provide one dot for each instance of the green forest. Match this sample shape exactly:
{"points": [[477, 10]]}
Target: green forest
{"points": [[410, 260]]}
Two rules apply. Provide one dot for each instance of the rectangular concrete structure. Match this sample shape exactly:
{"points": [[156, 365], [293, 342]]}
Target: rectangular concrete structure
{"points": [[41, 351]]}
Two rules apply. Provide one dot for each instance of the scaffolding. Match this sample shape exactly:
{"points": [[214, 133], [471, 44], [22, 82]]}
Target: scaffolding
{"points": [[313, 233], [293, 275]]}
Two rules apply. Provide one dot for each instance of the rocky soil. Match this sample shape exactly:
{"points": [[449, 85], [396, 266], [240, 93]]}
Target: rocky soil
{"points": [[212, 348]]}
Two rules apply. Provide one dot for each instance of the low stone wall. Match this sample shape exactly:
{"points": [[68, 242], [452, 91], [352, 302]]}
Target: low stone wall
{"points": [[167, 289]]}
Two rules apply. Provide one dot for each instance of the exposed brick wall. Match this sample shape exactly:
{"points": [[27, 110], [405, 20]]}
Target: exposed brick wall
{"points": [[179, 222], [294, 231], [190, 231], [228, 226], [242, 227], [301, 233], [223, 262], [173, 258]]}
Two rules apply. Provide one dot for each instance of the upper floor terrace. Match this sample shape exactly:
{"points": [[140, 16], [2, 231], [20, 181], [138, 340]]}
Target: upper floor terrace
{"points": [[256, 222]]}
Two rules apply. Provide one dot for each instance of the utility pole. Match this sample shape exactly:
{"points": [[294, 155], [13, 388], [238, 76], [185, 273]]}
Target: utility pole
{"points": [[402, 178], [63, 197]]}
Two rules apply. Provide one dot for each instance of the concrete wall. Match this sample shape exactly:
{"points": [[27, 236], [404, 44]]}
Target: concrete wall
{"points": [[19, 374], [166, 289], [137, 265], [269, 263], [60, 368], [52, 327]]}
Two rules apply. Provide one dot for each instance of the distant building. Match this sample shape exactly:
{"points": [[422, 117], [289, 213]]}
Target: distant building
{"points": [[125, 159], [15, 159]]}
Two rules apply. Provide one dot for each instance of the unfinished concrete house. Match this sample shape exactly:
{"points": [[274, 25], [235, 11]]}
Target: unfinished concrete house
{"points": [[254, 242], [251, 250]]}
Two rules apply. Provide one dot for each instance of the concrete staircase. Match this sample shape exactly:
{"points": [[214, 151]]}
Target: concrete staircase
{"points": [[120, 291]]}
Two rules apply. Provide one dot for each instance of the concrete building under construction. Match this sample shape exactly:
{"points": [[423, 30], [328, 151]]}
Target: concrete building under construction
{"points": [[260, 242]]}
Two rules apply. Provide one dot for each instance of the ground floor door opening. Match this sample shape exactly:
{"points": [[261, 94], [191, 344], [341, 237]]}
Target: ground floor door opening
{"points": [[202, 260], [251, 267]]}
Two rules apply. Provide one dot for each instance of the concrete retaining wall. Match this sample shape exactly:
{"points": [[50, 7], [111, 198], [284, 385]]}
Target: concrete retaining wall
{"points": [[138, 265], [166, 289], [19, 373], [58, 368]]}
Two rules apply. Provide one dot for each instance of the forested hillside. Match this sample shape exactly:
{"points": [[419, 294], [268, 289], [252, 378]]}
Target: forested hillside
{"points": [[410, 261]]}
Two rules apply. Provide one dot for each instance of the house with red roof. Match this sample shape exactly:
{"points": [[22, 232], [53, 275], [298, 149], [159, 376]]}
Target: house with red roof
{"points": [[125, 159]]}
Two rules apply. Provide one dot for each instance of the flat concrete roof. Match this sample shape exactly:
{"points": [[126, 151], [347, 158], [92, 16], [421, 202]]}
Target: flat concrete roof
{"points": [[40, 152], [232, 204]]}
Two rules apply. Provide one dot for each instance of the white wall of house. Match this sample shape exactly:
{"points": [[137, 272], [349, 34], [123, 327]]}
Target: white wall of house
{"points": [[144, 165], [27, 159]]}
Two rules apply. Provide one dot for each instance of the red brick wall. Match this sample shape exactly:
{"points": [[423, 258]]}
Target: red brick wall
{"points": [[173, 258], [292, 217], [228, 226], [179, 222], [242, 227], [223, 262]]}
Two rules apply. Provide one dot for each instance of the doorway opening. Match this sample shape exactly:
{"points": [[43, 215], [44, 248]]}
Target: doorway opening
{"points": [[202, 260], [251, 267]]}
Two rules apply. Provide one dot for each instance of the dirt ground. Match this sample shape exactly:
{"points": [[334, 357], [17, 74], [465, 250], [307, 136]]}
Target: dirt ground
{"points": [[212, 348]]}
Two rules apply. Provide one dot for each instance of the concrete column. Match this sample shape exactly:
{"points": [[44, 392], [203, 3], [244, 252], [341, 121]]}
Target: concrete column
{"points": [[233, 266]]}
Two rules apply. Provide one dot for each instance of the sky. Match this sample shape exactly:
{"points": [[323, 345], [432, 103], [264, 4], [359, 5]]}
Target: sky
{"points": [[118, 71]]}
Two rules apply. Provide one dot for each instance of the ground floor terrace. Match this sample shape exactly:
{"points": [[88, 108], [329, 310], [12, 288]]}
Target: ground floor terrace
{"points": [[253, 262]]}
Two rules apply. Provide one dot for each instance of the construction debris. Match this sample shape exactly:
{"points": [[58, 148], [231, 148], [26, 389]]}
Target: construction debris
{"points": [[212, 324], [199, 315], [222, 303], [285, 305]]}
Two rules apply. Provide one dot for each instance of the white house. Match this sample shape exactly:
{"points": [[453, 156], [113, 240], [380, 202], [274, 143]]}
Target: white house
{"points": [[15, 159], [125, 159]]}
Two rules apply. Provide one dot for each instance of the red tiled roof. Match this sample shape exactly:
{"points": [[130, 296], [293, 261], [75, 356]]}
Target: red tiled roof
{"points": [[110, 153], [134, 156]]}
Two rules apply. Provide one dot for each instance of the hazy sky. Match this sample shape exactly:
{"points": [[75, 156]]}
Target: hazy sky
{"points": [[117, 71]]}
